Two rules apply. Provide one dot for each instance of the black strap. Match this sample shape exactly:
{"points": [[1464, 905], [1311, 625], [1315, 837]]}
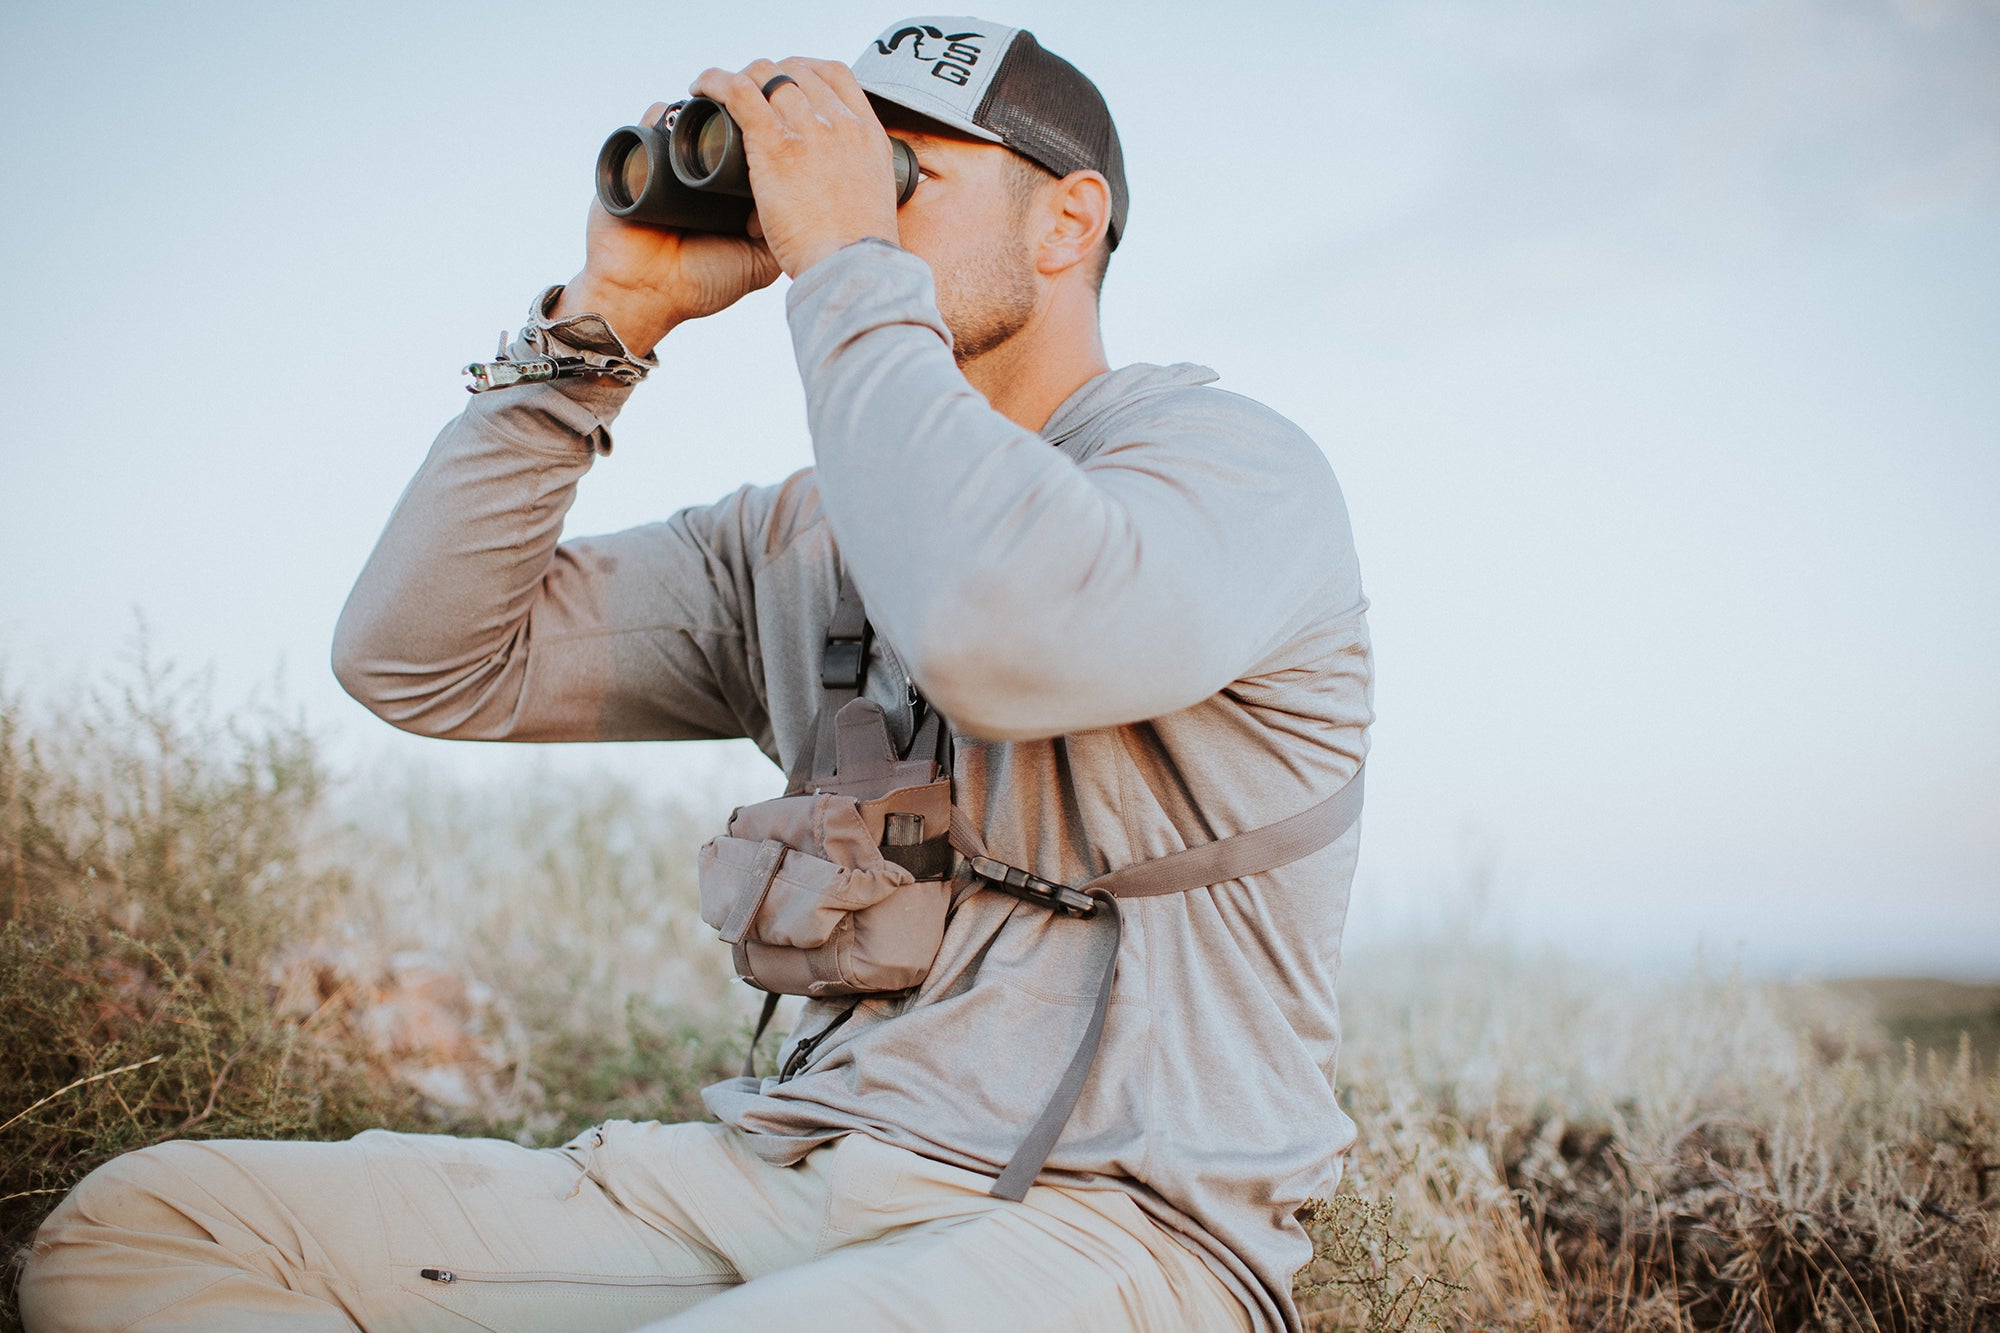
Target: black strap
{"points": [[843, 669], [802, 1053], [930, 738], [763, 1021], [843, 674]]}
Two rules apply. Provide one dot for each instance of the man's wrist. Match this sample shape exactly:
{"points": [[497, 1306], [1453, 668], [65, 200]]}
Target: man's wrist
{"points": [[635, 317], [827, 249], [582, 346]]}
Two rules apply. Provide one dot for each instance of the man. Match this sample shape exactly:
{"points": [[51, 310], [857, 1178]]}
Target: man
{"points": [[1134, 597]]}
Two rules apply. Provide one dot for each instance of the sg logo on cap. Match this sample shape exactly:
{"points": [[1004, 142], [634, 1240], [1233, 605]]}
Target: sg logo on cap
{"points": [[953, 65]]}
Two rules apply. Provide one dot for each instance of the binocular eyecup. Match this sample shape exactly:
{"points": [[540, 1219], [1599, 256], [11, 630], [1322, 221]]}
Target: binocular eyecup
{"points": [[689, 171]]}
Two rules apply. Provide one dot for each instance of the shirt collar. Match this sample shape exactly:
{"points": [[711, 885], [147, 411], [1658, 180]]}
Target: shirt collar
{"points": [[1069, 425]]}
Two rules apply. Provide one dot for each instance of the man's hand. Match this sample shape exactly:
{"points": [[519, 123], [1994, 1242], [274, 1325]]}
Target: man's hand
{"points": [[646, 280], [819, 162]]}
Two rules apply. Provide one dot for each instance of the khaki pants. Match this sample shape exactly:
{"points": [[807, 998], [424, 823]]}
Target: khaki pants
{"points": [[678, 1227]]}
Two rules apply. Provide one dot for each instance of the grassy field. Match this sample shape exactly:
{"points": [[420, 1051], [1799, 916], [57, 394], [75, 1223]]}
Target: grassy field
{"points": [[206, 933]]}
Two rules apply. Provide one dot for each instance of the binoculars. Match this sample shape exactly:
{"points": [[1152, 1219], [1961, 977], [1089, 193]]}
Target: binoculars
{"points": [[687, 171]]}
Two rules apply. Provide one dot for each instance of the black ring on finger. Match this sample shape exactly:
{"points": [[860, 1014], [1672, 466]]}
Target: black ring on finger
{"points": [[776, 82]]}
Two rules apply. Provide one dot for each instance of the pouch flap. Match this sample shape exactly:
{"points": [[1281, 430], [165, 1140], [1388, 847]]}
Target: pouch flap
{"points": [[865, 761], [809, 898], [799, 902], [750, 893], [861, 748], [827, 826]]}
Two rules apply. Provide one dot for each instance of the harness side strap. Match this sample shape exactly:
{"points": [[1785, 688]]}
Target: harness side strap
{"points": [[965, 837], [1245, 854], [1219, 862], [1019, 1174]]}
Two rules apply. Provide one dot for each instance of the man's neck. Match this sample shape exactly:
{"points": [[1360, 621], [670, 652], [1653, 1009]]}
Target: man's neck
{"points": [[1034, 372]]}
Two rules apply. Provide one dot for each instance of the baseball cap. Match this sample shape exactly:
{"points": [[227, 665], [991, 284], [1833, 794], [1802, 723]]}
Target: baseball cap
{"points": [[996, 83]]}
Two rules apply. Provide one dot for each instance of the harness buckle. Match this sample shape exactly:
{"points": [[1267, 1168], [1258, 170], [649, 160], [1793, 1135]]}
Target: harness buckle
{"points": [[844, 665], [1034, 889]]}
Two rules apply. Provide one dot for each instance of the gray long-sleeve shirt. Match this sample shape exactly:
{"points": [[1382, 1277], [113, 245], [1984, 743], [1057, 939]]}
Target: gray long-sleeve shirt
{"points": [[1155, 631]]}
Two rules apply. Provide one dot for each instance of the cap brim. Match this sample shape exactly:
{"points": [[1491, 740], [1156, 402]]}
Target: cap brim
{"points": [[933, 109]]}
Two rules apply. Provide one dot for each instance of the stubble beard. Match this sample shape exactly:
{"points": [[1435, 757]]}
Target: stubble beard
{"points": [[987, 301]]}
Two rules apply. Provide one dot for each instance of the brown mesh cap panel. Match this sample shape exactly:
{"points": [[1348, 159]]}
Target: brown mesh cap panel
{"points": [[1044, 108]]}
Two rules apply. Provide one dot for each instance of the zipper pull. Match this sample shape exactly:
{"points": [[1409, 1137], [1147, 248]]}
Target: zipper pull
{"points": [[444, 1275]]}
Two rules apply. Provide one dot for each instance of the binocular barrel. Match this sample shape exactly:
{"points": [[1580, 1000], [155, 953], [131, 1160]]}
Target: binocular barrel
{"points": [[690, 173]]}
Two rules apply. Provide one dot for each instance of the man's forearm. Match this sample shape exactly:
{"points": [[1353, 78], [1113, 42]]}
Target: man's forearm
{"points": [[430, 628]]}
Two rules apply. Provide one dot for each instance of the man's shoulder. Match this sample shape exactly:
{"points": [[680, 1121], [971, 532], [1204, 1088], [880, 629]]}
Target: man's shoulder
{"points": [[1227, 409], [1217, 424]]}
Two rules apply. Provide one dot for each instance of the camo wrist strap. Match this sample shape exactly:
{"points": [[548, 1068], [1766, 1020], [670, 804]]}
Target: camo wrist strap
{"points": [[576, 347]]}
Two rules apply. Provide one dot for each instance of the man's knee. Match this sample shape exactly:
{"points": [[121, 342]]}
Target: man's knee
{"points": [[129, 1195], [167, 1197], [134, 1191]]}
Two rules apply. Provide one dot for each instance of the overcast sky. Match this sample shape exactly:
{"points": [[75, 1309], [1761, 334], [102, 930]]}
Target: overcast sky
{"points": [[1657, 347]]}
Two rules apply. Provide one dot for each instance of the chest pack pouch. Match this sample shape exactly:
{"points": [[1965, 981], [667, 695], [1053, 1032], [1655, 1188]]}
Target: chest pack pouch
{"points": [[842, 886]]}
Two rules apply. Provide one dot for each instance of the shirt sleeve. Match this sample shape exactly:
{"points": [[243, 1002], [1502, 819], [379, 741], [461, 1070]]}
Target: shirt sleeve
{"points": [[1031, 595], [472, 620]]}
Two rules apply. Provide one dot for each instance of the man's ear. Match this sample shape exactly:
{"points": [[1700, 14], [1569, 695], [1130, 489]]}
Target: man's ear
{"points": [[1076, 212]]}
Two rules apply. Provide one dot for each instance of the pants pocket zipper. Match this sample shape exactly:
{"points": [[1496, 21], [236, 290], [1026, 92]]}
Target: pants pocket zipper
{"points": [[447, 1276]]}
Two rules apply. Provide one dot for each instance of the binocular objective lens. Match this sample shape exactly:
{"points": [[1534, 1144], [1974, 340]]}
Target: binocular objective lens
{"points": [[712, 142], [633, 173]]}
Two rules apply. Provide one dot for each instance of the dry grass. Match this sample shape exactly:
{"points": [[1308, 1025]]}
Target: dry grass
{"points": [[1579, 1151], [151, 860], [200, 936], [204, 935], [573, 902]]}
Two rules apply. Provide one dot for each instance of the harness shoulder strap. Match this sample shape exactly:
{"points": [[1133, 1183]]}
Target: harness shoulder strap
{"points": [[843, 668], [843, 672]]}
